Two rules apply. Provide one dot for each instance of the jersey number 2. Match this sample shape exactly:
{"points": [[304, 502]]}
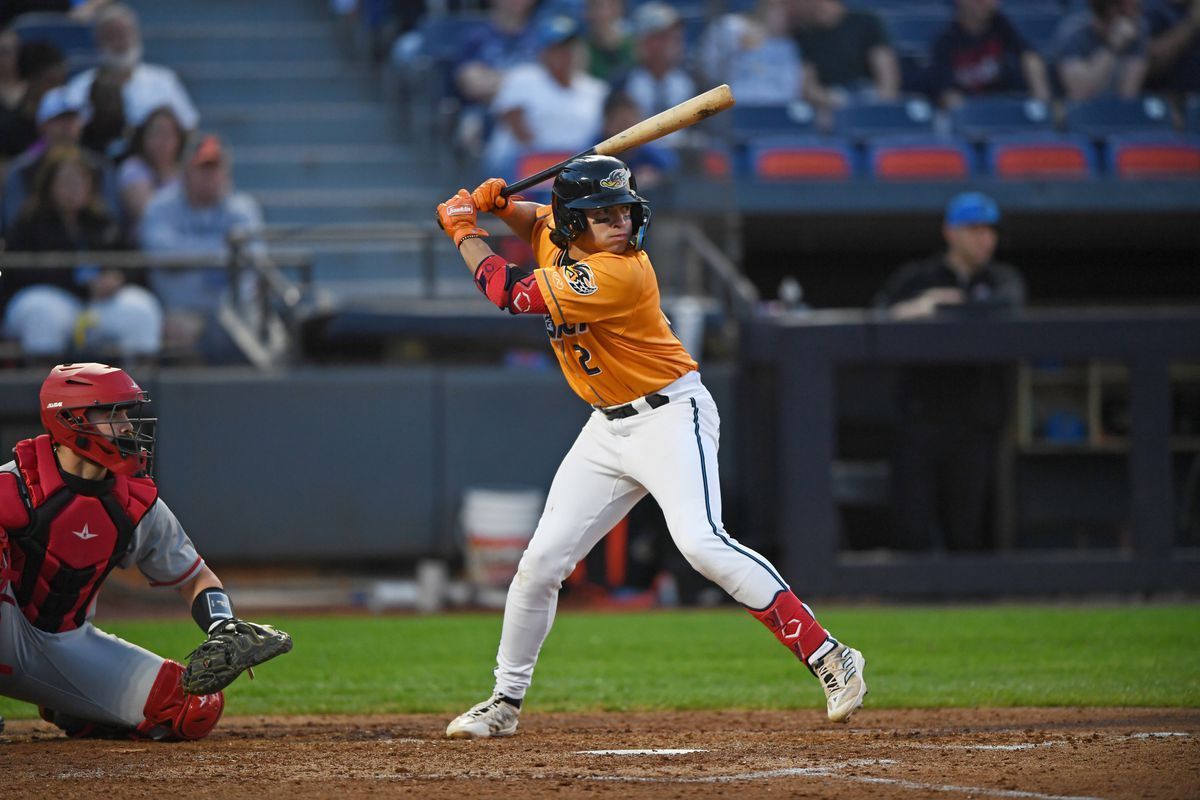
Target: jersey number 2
{"points": [[584, 358]]}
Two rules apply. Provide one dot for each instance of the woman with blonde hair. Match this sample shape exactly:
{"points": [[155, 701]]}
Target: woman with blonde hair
{"points": [[74, 307]]}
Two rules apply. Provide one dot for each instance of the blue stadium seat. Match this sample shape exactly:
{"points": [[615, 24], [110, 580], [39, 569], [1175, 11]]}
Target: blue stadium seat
{"points": [[868, 120], [980, 117], [74, 38], [1100, 118], [912, 30], [917, 158], [753, 121], [1192, 113], [1040, 156], [801, 158], [1036, 23], [1153, 156]]}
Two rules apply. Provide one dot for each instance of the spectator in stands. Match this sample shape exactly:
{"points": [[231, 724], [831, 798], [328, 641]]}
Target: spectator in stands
{"points": [[153, 163], [552, 104], [76, 308], [847, 52], [12, 90], [82, 10], [144, 87], [41, 66], [651, 162], [488, 51], [196, 216], [659, 81], [59, 121], [754, 55], [104, 133], [1174, 50], [1101, 51], [610, 47], [951, 416], [981, 52]]}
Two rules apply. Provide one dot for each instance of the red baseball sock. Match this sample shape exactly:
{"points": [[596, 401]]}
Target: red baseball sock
{"points": [[793, 624]]}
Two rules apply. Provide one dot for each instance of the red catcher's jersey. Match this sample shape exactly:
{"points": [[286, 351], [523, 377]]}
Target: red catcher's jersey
{"points": [[605, 320]]}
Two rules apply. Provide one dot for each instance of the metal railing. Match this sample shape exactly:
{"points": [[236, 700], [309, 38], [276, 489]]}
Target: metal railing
{"points": [[265, 324]]}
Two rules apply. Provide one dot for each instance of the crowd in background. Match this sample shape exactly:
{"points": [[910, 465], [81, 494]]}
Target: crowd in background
{"points": [[110, 158], [557, 61]]}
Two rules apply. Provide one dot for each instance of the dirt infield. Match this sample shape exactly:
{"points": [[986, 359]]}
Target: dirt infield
{"points": [[1002, 753]]}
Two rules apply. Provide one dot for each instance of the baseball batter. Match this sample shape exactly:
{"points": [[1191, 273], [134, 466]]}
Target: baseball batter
{"points": [[655, 428], [75, 503]]}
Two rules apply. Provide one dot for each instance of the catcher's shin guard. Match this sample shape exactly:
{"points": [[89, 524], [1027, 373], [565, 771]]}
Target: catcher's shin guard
{"points": [[171, 714]]}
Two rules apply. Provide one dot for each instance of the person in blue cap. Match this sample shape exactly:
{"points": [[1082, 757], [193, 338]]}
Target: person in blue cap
{"points": [[951, 415]]}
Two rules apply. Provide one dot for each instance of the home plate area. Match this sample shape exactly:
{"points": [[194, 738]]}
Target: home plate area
{"points": [[987, 753]]}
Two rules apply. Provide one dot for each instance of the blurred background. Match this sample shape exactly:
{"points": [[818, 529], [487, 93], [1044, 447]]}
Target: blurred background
{"points": [[938, 266]]}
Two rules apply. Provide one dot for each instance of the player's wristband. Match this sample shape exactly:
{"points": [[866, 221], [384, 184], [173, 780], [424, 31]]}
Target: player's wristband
{"points": [[210, 607]]}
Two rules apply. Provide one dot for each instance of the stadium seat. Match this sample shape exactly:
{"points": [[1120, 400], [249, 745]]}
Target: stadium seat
{"points": [[1044, 156], [1192, 113], [801, 158], [1037, 24], [869, 120], [753, 121], [1100, 118], [912, 30], [534, 162], [918, 158], [1154, 155], [716, 163], [980, 117], [74, 38]]}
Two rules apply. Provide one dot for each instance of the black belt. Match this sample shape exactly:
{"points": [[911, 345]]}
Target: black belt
{"points": [[621, 412]]}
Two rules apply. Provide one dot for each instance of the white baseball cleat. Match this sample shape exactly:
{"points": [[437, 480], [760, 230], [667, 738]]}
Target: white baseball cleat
{"points": [[492, 717], [841, 674]]}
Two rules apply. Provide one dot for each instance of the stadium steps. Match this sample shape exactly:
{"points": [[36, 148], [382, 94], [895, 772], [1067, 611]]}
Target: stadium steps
{"points": [[278, 81], [313, 136], [232, 12], [182, 44], [245, 124]]}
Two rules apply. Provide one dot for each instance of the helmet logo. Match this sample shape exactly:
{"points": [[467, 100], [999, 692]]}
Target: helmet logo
{"points": [[57, 404], [617, 179], [580, 278]]}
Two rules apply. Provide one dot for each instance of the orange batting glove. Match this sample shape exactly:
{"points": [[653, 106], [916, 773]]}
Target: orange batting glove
{"points": [[488, 198], [456, 217]]}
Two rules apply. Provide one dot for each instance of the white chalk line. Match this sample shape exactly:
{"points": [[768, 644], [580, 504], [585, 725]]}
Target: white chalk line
{"points": [[661, 751], [1033, 745], [830, 771]]}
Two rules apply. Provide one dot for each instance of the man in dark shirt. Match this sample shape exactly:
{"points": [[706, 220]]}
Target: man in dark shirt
{"points": [[1174, 52], [981, 52], [952, 415], [847, 52]]}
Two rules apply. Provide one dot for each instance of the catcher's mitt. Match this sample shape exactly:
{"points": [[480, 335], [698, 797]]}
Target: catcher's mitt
{"points": [[231, 648]]}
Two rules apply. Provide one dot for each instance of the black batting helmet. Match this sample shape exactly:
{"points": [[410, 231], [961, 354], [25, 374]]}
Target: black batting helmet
{"points": [[595, 182]]}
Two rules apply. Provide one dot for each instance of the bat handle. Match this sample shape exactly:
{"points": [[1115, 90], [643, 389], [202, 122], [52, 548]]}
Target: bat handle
{"points": [[538, 177]]}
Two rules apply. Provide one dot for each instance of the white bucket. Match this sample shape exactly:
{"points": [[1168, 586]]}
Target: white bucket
{"points": [[497, 525]]}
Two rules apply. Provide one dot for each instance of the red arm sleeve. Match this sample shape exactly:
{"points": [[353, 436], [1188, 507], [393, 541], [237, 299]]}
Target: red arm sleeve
{"points": [[509, 287]]}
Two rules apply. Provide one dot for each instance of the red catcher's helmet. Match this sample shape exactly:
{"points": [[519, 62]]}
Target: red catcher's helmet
{"points": [[72, 389]]}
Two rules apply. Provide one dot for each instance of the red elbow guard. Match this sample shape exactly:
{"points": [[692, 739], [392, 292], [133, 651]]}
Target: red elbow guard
{"points": [[508, 287]]}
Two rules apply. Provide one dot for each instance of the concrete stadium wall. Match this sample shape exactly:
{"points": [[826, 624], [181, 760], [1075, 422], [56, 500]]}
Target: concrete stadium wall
{"points": [[345, 464]]}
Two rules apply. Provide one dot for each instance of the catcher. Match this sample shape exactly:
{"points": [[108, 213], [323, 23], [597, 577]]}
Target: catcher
{"points": [[75, 503]]}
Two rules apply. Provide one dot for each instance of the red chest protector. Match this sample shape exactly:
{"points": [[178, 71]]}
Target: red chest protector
{"points": [[65, 537]]}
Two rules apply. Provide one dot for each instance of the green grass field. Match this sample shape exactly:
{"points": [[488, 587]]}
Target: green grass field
{"points": [[916, 658]]}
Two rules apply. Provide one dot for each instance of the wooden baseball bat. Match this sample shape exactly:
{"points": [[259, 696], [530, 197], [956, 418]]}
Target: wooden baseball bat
{"points": [[689, 112]]}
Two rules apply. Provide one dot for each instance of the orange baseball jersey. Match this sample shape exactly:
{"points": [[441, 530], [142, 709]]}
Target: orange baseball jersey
{"points": [[612, 340]]}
